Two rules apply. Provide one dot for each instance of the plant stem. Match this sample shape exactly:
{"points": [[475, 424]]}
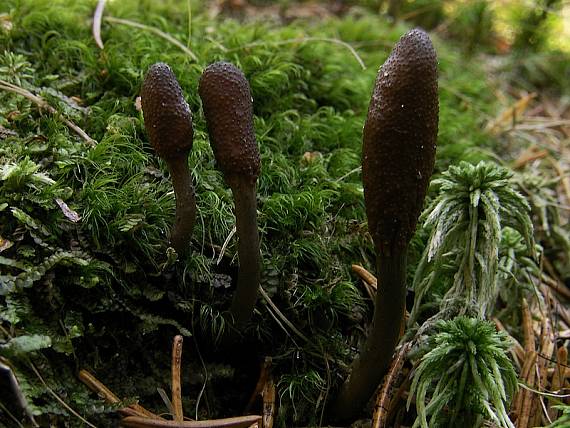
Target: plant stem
{"points": [[248, 250], [185, 204], [368, 369]]}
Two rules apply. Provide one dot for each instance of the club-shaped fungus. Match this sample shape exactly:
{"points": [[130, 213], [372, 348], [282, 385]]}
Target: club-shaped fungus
{"points": [[228, 108], [168, 122], [399, 139]]}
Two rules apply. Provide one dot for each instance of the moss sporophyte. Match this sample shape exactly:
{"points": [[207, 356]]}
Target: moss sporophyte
{"points": [[398, 158]]}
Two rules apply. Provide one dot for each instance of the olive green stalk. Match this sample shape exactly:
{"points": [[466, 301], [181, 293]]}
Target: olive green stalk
{"points": [[168, 122], [398, 158], [228, 108]]}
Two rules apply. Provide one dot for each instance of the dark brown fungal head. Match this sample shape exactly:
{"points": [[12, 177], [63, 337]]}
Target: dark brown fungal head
{"points": [[167, 117], [399, 141], [228, 107], [168, 122], [399, 152]]}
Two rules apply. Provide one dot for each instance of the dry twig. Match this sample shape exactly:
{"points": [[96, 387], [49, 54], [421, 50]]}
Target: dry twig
{"points": [[237, 422], [43, 105], [259, 387], [176, 388], [386, 399], [100, 389], [268, 395]]}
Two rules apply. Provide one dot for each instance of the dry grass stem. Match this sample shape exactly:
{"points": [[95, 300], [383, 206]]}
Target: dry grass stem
{"points": [[305, 40], [564, 178], [236, 422], [280, 314], [558, 379], [524, 398], [547, 348], [58, 398], [528, 333], [508, 117], [557, 286], [153, 30], [366, 276], [528, 155]]}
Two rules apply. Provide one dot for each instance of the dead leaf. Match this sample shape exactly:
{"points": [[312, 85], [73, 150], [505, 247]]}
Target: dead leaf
{"points": [[68, 212], [5, 244], [509, 116]]}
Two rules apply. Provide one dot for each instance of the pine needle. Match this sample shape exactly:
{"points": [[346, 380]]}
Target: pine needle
{"points": [[302, 40], [153, 30]]}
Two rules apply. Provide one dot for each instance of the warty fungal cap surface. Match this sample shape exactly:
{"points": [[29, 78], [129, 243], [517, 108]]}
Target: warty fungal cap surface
{"points": [[228, 107], [399, 138], [167, 116]]}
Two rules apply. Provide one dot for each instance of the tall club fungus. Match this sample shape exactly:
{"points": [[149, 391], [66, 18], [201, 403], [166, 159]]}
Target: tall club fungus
{"points": [[228, 108], [168, 122], [398, 158]]}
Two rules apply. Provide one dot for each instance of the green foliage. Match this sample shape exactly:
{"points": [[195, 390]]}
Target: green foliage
{"points": [[465, 372], [535, 23], [472, 24], [517, 270], [543, 71], [466, 219], [15, 68], [302, 393], [23, 344]]}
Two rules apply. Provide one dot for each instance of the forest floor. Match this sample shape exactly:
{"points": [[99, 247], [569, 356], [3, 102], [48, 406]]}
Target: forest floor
{"points": [[89, 286]]}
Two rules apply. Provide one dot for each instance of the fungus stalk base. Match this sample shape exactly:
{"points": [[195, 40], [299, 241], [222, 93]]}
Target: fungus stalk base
{"points": [[185, 205], [248, 251], [375, 356]]}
